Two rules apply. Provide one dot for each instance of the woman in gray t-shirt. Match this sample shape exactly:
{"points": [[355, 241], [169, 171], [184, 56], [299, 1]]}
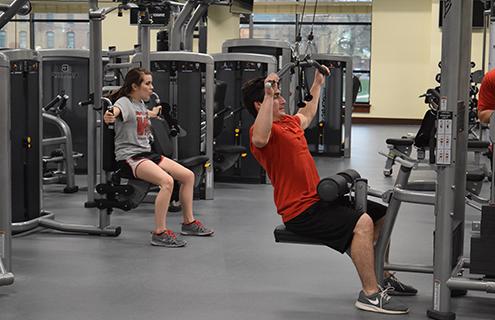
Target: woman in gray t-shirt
{"points": [[133, 153]]}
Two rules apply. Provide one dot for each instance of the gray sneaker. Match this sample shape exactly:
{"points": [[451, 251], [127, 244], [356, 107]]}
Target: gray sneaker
{"points": [[167, 239], [195, 229], [380, 302]]}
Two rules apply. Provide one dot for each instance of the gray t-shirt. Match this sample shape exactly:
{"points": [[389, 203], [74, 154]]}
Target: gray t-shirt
{"points": [[132, 131]]}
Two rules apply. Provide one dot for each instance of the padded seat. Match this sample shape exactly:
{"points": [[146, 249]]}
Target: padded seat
{"points": [[475, 176], [400, 142], [193, 161], [282, 235], [229, 149], [476, 144]]}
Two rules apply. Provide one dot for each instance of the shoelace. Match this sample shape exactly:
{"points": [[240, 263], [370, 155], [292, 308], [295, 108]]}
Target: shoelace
{"points": [[394, 279], [171, 234], [384, 295], [200, 226]]}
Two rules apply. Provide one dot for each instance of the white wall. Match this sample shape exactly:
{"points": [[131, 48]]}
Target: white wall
{"points": [[406, 49]]}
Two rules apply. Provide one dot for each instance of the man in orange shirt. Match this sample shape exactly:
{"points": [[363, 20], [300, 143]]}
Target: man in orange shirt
{"points": [[279, 145], [486, 97]]}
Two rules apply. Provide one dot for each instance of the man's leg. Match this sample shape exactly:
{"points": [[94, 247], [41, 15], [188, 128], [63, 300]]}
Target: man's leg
{"points": [[371, 298], [390, 281], [362, 254]]}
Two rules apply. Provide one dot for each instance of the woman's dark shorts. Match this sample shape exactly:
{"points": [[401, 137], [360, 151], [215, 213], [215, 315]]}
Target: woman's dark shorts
{"points": [[128, 167], [332, 223]]}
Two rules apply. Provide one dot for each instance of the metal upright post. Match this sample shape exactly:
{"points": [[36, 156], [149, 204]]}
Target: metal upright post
{"points": [[95, 85], [203, 34], [177, 28], [200, 11], [5, 175], [145, 46], [491, 53], [210, 76], [251, 26], [451, 151]]}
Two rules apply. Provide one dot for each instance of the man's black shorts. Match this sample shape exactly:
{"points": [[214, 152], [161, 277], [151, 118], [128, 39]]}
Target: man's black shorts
{"points": [[332, 223]]}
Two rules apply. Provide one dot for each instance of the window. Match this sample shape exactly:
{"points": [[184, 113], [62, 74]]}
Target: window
{"points": [[23, 39], [338, 34], [3, 39], [71, 40], [52, 30], [50, 39]]}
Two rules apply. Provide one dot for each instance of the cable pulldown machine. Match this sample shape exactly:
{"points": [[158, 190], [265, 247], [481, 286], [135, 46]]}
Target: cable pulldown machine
{"points": [[234, 69]]}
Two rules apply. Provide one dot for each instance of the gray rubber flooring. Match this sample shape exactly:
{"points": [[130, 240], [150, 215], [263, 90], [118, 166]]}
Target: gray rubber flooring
{"points": [[240, 273]]}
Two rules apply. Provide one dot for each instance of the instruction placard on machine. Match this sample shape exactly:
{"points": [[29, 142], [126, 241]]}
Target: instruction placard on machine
{"points": [[444, 138]]}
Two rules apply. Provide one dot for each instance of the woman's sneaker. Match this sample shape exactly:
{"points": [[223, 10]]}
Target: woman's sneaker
{"points": [[380, 302], [195, 228], [398, 288], [167, 239]]}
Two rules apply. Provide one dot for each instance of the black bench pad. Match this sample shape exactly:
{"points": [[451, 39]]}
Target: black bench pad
{"points": [[475, 175], [229, 149], [400, 142], [282, 235], [475, 144]]}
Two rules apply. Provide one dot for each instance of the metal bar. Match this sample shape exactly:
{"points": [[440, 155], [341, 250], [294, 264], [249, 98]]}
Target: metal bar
{"points": [[375, 193], [486, 25], [203, 34], [469, 284], [251, 26], [5, 172], [66, 141], [145, 47], [316, 23], [388, 225], [95, 42], [491, 46], [77, 228], [54, 141], [20, 227], [14, 8], [180, 21], [126, 65], [492, 140], [414, 196], [126, 53], [456, 46], [32, 30], [210, 74], [348, 109], [409, 268], [189, 31]]}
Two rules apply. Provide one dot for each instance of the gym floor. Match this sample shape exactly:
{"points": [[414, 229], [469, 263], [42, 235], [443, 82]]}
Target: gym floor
{"points": [[240, 273]]}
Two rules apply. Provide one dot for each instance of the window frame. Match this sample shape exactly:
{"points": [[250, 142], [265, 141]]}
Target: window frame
{"points": [[358, 106]]}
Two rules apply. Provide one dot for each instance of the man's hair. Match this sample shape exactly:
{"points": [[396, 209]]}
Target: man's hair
{"points": [[253, 91]]}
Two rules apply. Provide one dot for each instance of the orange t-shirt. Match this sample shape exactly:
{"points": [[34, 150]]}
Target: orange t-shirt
{"points": [[290, 167], [486, 98]]}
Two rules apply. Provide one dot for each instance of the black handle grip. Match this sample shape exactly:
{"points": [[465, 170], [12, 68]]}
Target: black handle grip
{"points": [[111, 126], [52, 103], [320, 68], [63, 102], [87, 102]]}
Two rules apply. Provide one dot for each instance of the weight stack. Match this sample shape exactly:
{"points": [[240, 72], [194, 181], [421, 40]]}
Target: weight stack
{"points": [[482, 257]]}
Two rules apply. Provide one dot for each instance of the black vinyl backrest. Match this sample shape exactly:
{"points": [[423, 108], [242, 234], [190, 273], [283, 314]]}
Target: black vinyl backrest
{"points": [[162, 142], [219, 97], [108, 156], [426, 131], [219, 105]]}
